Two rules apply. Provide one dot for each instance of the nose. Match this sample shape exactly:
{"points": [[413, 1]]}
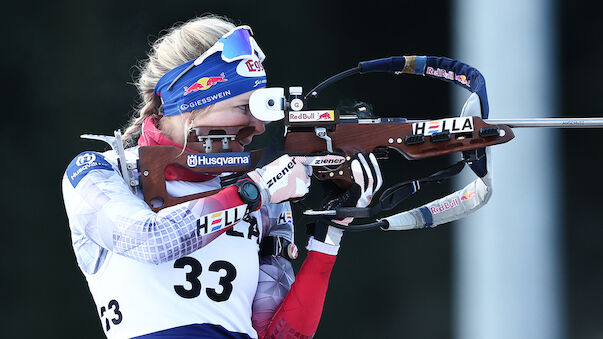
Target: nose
{"points": [[257, 124]]}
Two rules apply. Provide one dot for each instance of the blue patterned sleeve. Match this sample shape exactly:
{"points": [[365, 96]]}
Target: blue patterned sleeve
{"points": [[104, 215]]}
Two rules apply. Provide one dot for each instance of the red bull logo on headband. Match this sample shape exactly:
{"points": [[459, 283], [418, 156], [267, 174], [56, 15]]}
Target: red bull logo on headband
{"points": [[205, 83]]}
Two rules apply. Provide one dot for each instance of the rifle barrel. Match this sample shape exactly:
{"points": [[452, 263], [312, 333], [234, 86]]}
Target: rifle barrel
{"points": [[549, 122]]}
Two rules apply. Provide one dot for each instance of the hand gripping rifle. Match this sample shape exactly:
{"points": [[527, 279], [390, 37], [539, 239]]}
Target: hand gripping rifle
{"points": [[328, 132]]}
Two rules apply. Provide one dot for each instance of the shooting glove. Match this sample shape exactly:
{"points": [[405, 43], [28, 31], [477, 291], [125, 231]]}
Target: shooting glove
{"points": [[368, 180], [285, 178]]}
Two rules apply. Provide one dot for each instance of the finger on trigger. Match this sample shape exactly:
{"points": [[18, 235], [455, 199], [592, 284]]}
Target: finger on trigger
{"points": [[357, 173], [369, 175]]}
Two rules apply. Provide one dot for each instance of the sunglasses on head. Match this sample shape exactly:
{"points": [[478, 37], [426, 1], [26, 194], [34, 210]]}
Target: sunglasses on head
{"points": [[237, 44]]}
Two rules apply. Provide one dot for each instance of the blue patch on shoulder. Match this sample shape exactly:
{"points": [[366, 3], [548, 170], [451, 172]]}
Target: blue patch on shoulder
{"points": [[84, 163]]}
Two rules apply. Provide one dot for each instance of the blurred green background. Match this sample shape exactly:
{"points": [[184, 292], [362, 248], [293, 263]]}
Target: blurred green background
{"points": [[68, 68]]}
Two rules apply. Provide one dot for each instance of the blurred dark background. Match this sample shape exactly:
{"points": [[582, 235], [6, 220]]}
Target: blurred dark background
{"points": [[68, 68]]}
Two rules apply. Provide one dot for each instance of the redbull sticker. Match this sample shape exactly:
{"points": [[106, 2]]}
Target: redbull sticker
{"points": [[306, 116], [205, 83], [83, 164], [233, 159], [462, 79], [440, 73], [444, 206], [449, 75], [251, 68], [452, 125], [467, 196]]}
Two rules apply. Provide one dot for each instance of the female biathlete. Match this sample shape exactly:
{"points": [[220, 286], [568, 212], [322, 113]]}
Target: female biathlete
{"points": [[170, 274]]}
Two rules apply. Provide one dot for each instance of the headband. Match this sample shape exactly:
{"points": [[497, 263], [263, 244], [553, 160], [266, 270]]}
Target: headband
{"points": [[212, 81]]}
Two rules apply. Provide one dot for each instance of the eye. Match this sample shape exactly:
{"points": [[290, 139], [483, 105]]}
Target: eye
{"points": [[245, 108]]}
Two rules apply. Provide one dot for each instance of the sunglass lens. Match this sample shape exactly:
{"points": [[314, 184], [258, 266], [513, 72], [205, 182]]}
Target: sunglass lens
{"points": [[237, 44]]}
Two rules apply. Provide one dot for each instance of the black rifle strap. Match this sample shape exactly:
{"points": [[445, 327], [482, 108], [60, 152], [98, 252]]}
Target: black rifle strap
{"points": [[402, 191]]}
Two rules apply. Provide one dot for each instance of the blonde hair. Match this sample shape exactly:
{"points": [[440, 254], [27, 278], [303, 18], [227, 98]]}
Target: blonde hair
{"points": [[181, 43]]}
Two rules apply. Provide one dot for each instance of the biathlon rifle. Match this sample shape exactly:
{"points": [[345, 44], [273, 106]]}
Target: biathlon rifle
{"points": [[338, 136]]}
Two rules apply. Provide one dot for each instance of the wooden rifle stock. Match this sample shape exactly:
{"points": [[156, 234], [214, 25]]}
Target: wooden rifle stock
{"points": [[369, 137], [346, 138]]}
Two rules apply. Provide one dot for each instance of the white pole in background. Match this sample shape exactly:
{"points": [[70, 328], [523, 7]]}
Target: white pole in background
{"points": [[507, 260]]}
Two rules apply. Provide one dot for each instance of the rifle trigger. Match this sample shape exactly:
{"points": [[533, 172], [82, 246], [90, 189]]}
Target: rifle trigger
{"points": [[321, 132]]}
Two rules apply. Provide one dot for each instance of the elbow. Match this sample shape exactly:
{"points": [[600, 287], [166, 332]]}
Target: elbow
{"points": [[161, 249], [157, 247], [147, 255], [157, 259]]}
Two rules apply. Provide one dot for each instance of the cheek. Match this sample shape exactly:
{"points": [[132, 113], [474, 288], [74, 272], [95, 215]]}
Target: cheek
{"points": [[239, 119], [228, 118]]}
